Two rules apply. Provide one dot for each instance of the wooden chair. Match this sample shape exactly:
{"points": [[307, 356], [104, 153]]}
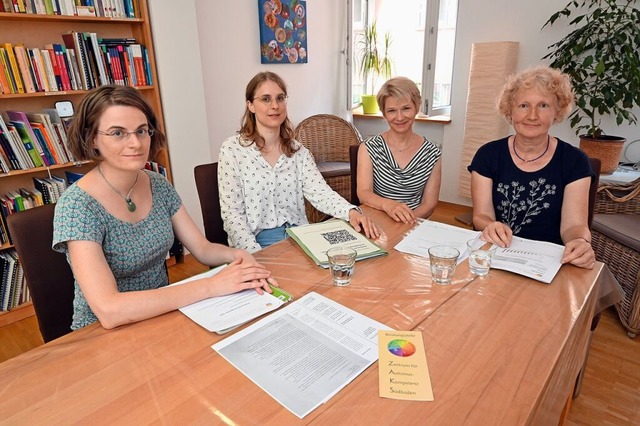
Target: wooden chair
{"points": [[328, 137], [353, 160], [206, 176], [48, 275]]}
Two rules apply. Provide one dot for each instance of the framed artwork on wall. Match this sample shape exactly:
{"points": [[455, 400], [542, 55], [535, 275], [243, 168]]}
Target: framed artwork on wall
{"points": [[283, 31]]}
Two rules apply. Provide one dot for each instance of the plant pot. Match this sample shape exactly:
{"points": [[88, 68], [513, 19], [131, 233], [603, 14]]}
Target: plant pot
{"points": [[369, 104], [608, 149]]}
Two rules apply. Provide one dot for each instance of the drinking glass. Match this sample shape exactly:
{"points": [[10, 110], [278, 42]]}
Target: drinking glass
{"points": [[341, 264], [480, 256], [443, 260]]}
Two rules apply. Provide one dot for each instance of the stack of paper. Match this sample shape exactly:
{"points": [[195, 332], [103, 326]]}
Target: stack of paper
{"points": [[429, 234], [223, 313], [316, 238], [306, 352]]}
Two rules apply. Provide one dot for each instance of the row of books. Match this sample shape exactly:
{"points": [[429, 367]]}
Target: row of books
{"points": [[13, 288], [100, 8], [47, 190], [32, 139], [83, 61]]}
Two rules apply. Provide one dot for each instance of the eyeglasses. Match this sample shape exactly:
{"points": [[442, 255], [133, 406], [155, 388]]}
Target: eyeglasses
{"points": [[121, 135], [267, 99]]}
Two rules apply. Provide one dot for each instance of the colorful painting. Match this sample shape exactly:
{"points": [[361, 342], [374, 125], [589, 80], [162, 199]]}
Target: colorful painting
{"points": [[283, 31]]}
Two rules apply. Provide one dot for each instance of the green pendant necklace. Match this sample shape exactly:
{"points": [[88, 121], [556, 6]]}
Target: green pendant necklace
{"points": [[130, 204]]}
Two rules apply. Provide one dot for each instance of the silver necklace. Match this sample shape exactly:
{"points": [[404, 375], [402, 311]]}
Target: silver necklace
{"points": [[405, 148], [130, 204], [533, 159]]}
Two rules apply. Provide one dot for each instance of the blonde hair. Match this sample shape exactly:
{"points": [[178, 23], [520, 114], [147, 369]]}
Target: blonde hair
{"points": [[399, 87], [542, 77]]}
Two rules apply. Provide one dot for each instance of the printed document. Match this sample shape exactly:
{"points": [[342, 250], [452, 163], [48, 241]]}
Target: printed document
{"points": [[429, 234], [222, 313], [316, 238], [304, 353], [539, 260]]}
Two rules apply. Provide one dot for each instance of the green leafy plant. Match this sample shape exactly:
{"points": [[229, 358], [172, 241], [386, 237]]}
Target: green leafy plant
{"points": [[373, 63], [602, 56]]}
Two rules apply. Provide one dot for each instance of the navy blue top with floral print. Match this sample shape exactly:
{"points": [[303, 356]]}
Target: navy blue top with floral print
{"points": [[530, 202]]}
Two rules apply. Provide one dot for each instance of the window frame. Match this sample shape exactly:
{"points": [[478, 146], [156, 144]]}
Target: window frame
{"points": [[428, 55]]}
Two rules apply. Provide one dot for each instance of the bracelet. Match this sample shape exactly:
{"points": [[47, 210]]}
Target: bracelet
{"points": [[358, 209], [585, 240]]}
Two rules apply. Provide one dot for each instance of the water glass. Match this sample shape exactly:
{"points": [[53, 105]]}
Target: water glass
{"points": [[480, 256], [341, 264], [443, 260]]}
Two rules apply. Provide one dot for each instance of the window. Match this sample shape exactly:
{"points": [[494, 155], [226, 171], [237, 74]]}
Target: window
{"points": [[423, 40]]}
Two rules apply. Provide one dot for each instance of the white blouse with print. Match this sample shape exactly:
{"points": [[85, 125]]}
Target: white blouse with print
{"points": [[255, 196]]}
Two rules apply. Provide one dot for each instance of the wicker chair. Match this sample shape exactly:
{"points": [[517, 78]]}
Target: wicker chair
{"points": [[328, 137], [615, 240]]}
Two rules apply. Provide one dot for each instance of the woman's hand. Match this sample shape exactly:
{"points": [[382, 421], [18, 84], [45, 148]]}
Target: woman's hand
{"points": [[497, 233], [241, 274], [364, 223], [579, 252], [399, 212]]}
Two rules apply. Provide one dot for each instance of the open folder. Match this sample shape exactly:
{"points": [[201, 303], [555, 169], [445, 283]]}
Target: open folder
{"points": [[316, 238], [224, 313]]}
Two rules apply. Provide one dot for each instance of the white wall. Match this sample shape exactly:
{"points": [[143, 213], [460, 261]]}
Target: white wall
{"points": [[204, 89], [177, 52], [230, 50]]}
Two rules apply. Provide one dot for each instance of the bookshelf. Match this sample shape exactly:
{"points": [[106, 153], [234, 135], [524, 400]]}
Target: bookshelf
{"points": [[37, 30]]}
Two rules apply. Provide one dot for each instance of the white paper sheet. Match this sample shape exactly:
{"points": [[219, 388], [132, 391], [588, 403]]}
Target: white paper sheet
{"points": [[222, 313], [429, 234], [306, 352], [539, 260]]}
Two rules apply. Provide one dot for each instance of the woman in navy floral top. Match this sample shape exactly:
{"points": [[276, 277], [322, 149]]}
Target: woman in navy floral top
{"points": [[532, 184]]}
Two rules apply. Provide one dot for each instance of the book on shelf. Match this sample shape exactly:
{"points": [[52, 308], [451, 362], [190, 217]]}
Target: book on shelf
{"points": [[37, 64], [51, 63], [72, 177], [24, 68], [316, 238], [6, 78], [12, 287], [13, 65], [21, 122]]}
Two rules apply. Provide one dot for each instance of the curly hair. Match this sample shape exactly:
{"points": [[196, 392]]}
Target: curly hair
{"points": [[542, 77], [84, 126], [249, 130]]}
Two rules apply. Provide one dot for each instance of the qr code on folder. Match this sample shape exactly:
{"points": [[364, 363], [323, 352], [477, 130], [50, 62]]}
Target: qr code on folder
{"points": [[338, 237]]}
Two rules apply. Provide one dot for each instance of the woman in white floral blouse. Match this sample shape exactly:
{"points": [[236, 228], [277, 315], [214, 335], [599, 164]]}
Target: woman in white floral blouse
{"points": [[265, 174]]}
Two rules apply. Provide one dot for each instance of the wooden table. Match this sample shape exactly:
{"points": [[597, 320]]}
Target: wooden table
{"points": [[502, 349]]}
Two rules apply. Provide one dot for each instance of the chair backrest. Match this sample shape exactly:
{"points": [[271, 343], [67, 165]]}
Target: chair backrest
{"points": [[328, 137], [593, 188], [206, 176], [49, 276], [353, 159]]}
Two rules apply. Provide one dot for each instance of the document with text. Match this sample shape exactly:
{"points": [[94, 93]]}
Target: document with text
{"points": [[223, 313], [304, 353], [539, 260], [430, 233]]}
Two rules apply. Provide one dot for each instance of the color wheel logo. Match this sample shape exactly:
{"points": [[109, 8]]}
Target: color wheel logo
{"points": [[401, 347]]}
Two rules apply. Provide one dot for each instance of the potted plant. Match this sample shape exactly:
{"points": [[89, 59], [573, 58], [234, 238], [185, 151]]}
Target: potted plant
{"points": [[373, 63], [602, 56]]}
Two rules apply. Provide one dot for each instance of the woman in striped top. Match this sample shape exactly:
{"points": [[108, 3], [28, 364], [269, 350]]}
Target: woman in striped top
{"points": [[399, 171]]}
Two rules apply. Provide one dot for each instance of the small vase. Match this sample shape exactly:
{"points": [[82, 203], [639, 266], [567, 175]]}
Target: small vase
{"points": [[369, 104], [608, 149]]}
